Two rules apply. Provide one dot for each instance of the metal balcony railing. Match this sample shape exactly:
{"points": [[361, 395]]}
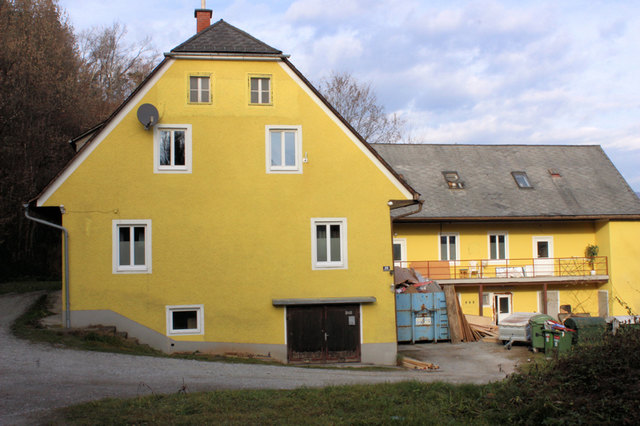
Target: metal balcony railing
{"points": [[509, 268]]}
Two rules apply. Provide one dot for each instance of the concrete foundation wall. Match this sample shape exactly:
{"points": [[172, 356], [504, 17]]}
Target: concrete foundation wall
{"points": [[372, 353]]}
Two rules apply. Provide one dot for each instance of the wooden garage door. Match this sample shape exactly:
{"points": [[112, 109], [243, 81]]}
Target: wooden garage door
{"points": [[323, 333]]}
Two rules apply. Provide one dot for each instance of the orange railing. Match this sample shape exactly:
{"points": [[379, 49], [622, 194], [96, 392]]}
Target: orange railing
{"points": [[508, 268]]}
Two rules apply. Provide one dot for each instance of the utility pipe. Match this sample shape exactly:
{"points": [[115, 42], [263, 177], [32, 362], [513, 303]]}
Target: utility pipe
{"points": [[66, 260]]}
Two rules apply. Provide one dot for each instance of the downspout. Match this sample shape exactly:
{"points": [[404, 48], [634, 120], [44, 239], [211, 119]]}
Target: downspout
{"points": [[66, 259]]}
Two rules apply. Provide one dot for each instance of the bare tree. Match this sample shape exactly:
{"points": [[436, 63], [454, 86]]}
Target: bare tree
{"points": [[41, 107], [111, 68], [358, 104]]}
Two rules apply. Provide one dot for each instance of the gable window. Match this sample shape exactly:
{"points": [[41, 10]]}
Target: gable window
{"points": [[284, 146], [260, 90], [185, 319], [199, 89], [522, 179], [172, 148], [449, 246], [498, 246], [329, 243], [131, 246]]}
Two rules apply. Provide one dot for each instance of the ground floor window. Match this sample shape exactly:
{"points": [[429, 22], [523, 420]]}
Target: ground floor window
{"points": [[185, 319], [486, 300], [131, 246]]}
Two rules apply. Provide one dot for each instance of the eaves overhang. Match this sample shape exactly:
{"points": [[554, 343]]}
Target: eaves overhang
{"points": [[437, 219], [94, 134], [415, 194], [226, 56]]}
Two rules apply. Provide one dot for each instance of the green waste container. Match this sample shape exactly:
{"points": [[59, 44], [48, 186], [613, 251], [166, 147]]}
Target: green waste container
{"points": [[536, 327], [588, 329], [557, 341]]}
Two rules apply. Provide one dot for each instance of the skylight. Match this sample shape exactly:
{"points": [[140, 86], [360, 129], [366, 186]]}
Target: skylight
{"points": [[522, 179], [453, 179]]}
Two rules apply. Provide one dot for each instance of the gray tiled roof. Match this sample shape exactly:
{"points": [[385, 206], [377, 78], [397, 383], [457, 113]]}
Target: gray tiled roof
{"points": [[589, 185], [222, 37]]}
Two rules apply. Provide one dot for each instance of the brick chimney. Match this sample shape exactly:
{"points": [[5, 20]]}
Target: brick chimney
{"points": [[203, 16]]}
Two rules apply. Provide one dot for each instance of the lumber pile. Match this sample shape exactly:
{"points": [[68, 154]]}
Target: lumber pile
{"points": [[482, 326], [414, 364], [459, 328]]}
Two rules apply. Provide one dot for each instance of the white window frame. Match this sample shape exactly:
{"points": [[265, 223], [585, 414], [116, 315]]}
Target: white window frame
{"points": [[131, 269], [449, 234], [200, 78], [506, 247], [490, 297], [186, 168], [402, 242], [297, 130], [260, 90], [328, 264], [199, 330]]}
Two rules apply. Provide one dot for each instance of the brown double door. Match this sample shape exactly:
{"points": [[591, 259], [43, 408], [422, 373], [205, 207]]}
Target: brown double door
{"points": [[323, 333]]}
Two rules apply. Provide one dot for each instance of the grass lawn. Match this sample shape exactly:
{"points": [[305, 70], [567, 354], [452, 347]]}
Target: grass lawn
{"points": [[402, 403]]}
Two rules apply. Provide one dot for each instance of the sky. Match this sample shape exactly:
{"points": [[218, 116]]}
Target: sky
{"points": [[478, 72]]}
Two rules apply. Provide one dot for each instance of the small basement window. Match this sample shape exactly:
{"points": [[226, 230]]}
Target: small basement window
{"points": [[183, 320], [522, 179], [453, 179]]}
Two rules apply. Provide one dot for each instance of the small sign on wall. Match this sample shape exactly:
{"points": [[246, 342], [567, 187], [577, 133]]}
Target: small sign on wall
{"points": [[352, 320], [423, 319]]}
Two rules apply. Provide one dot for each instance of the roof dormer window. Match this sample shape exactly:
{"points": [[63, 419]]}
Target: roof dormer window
{"points": [[453, 180], [522, 179]]}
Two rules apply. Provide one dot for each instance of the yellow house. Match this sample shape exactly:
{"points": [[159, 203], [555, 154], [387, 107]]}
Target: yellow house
{"points": [[509, 227], [227, 207]]}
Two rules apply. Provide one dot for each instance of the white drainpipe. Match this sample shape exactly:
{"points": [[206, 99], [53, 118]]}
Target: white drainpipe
{"points": [[66, 259]]}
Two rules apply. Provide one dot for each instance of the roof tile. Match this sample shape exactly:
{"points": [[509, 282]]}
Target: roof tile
{"points": [[222, 37], [589, 184]]}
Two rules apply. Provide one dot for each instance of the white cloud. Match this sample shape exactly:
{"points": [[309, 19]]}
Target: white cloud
{"points": [[325, 9]]}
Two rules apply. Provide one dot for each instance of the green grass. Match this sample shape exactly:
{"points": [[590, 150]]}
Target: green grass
{"points": [[595, 384], [29, 286], [403, 403]]}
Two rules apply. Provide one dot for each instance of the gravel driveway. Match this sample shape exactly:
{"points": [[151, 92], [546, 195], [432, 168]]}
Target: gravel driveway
{"points": [[35, 378]]}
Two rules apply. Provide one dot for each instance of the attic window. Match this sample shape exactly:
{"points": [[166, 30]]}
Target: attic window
{"points": [[453, 180], [522, 179]]}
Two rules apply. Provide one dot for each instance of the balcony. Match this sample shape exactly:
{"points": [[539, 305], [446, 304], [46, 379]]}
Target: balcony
{"points": [[512, 271]]}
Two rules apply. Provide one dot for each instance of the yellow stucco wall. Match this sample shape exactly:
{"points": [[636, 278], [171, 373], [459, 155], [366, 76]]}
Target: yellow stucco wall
{"points": [[620, 241], [569, 240], [229, 235]]}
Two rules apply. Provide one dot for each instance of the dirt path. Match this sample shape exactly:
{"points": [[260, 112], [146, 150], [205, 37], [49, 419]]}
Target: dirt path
{"points": [[35, 378]]}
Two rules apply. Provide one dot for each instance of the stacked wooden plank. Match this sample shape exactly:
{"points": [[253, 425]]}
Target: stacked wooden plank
{"points": [[414, 364], [482, 326], [459, 328]]}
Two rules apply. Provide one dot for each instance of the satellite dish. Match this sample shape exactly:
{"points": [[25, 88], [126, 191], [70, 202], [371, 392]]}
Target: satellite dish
{"points": [[148, 115]]}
